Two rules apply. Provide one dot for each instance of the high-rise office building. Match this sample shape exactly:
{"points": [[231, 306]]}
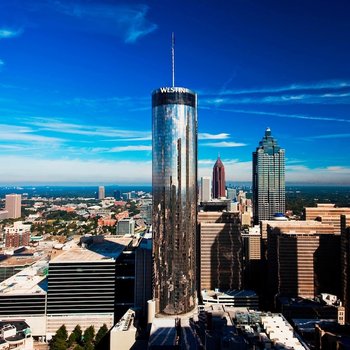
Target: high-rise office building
{"points": [[13, 206], [220, 250], [101, 192], [174, 180], [327, 213], [345, 264], [125, 227], [87, 284], [218, 179], [231, 193], [303, 258], [268, 179], [205, 189]]}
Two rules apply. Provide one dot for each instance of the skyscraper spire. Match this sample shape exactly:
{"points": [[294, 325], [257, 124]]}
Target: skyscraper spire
{"points": [[173, 58]]}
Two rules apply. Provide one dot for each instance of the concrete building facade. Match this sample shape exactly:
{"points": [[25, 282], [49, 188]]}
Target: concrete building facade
{"points": [[13, 206], [303, 259]]}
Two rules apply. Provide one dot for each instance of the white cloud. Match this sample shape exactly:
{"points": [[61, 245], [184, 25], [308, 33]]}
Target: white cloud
{"points": [[223, 144], [130, 148], [207, 136], [6, 33], [235, 170], [24, 134], [128, 21], [334, 98], [31, 170], [322, 175], [315, 86], [328, 136], [280, 115], [89, 130], [25, 170]]}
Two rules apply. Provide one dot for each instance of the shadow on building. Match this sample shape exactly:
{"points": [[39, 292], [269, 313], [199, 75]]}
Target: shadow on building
{"points": [[226, 255]]}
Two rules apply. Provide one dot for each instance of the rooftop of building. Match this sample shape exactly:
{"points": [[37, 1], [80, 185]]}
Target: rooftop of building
{"points": [[19, 260], [218, 163], [26, 281], [126, 323], [305, 227], [16, 331], [95, 250], [214, 323], [235, 293], [330, 207]]}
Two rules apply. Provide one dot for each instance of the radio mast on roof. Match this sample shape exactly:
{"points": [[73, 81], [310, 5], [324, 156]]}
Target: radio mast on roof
{"points": [[173, 57]]}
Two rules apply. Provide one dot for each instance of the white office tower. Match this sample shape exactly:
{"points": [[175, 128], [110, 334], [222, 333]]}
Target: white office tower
{"points": [[205, 189], [13, 206]]}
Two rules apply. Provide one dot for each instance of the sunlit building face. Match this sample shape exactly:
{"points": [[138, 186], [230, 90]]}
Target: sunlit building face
{"points": [[174, 180]]}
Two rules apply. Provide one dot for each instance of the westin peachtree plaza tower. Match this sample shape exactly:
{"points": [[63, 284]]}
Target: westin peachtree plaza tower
{"points": [[174, 181]]}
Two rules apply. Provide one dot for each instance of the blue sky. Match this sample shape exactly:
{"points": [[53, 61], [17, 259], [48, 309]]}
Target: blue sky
{"points": [[76, 79]]}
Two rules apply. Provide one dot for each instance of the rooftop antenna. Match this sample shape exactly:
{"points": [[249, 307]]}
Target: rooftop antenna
{"points": [[173, 57]]}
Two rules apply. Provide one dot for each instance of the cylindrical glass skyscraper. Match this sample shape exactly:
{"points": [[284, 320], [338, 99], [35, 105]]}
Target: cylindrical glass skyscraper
{"points": [[174, 181]]}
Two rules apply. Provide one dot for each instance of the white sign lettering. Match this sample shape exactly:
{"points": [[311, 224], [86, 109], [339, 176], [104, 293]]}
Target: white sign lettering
{"points": [[164, 90]]}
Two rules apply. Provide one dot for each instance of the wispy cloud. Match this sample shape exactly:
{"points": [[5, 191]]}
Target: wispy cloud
{"points": [[131, 148], [204, 162], [88, 130], [207, 136], [328, 136], [324, 92], [235, 169], [281, 115], [1, 62], [128, 21], [6, 33], [314, 86], [328, 98], [224, 144], [24, 134]]}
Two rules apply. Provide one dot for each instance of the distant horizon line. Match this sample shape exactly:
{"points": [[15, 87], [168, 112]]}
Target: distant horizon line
{"points": [[96, 184]]}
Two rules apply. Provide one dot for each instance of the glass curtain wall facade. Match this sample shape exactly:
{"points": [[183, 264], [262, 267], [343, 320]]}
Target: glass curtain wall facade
{"points": [[268, 179], [174, 181]]}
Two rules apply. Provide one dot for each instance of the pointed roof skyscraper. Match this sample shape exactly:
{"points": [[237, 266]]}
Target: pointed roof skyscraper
{"points": [[268, 179], [218, 179]]}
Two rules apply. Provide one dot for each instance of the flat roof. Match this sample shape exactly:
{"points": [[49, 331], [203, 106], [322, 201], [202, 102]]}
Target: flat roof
{"points": [[245, 293], [26, 281], [18, 260], [109, 249]]}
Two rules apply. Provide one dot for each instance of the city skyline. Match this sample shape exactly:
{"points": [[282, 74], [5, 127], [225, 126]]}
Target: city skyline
{"points": [[75, 79]]}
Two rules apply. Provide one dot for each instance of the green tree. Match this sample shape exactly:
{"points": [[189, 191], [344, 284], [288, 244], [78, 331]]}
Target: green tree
{"points": [[101, 333], [71, 339], [58, 344], [62, 333], [78, 347], [89, 346], [89, 334], [77, 332]]}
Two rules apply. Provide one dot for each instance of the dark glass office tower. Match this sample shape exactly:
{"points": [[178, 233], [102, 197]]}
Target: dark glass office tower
{"points": [[218, 179], [174, 181], [268, 179]]}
